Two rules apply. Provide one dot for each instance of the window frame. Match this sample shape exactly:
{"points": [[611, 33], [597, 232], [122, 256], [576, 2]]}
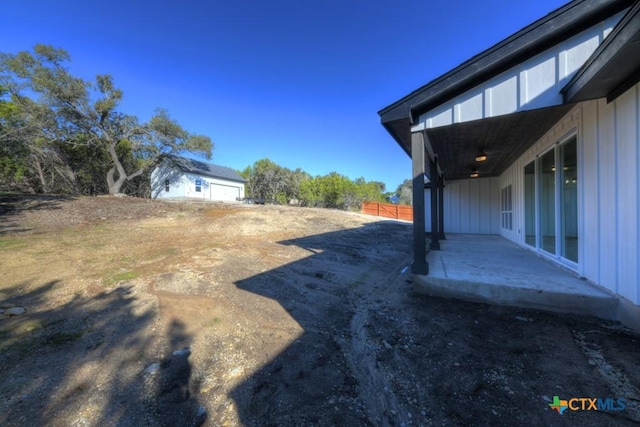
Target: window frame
{"points": [[506, 207]]}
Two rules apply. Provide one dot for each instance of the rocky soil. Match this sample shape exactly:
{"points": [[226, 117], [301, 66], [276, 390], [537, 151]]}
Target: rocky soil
{"points": [[141, 312]]}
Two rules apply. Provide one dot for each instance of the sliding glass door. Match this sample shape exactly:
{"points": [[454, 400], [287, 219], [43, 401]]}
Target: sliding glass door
{"points": [[547, 205], [530, 204], [551, 201], [569, 200]]}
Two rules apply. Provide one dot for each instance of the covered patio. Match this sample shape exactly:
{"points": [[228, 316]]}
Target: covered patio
{"points": [[518, 156], [504, 273]]}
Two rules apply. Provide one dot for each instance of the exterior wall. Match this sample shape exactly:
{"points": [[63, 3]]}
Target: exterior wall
{"points": [[220, 189], [608, 143], [177, 185], [535, 83], [184, 185], [471, 206]]}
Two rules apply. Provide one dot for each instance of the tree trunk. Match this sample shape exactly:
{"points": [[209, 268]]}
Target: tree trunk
{"points": [[116, 185], [38, 167]]}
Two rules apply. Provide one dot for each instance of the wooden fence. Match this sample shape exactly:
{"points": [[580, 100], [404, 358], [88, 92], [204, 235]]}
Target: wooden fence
{"points": [[388, 210]]}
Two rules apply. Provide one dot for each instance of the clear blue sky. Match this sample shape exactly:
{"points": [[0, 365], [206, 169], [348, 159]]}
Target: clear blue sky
{"points": [[297, 81]]}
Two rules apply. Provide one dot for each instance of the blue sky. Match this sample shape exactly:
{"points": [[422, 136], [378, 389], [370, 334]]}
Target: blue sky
{"points": [[299, 82]]}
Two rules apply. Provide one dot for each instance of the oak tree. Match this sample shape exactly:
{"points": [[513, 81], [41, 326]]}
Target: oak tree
{"points": [[56, 107]]}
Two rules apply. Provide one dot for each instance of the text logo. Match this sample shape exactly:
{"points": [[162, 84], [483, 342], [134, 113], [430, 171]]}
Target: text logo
{"points": [[587, 404]]}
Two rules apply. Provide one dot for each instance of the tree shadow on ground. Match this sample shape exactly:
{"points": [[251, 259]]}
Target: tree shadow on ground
{"points": [[11, 206], [85, 362], [312, 382]]}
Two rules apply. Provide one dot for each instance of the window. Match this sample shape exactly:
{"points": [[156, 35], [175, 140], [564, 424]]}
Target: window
{"points": [[166, 185], [551, 201], [568, 200], [530, 204], [547, 201], [507, 208]]}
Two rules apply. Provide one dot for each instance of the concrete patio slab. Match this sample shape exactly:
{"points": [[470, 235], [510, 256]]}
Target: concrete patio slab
{"points": [[494, 270]]}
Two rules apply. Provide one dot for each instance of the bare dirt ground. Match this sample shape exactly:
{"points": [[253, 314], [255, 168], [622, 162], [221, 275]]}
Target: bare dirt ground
{"points": [[142, 312]]}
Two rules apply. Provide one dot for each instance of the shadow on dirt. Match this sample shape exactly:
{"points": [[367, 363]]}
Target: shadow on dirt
{"points": [[52, 362], [11, 206], [312, 381], [429, 361]]}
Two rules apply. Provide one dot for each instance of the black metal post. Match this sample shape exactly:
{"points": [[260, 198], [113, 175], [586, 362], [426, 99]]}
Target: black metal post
{"points": [[441, 235], [420, 265], [433, 178]]}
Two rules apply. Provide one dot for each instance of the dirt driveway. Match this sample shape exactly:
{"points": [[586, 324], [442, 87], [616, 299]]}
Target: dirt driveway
{"points": [[143, 312]]}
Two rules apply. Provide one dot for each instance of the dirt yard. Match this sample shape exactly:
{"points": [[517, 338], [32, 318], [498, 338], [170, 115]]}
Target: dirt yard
{"points": [[150, 313]]}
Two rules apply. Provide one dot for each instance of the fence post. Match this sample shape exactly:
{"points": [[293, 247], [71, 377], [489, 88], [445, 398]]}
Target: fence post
{"points": [[378, 205]]}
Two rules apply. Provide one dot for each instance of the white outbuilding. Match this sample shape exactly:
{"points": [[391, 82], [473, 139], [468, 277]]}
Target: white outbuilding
{"points": [[179, 177]]}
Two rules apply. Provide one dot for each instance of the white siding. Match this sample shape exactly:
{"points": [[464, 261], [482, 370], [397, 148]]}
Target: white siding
{"points": [[184, 185], [608, 138], [469, 107], [538, 81], [535, 83], [589, 162], [575, 52], [177, 185], [471, 206], [626, 211], [606, 190]]}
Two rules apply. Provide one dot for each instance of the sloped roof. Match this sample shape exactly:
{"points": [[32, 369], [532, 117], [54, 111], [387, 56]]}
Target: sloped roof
{"points": [[612, 68], [198, 167], [537, 37]]}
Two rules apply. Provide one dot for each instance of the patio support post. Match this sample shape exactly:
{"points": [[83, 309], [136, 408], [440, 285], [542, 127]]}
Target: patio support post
{"points": [[420, 265], [441, 235], [433, 178]]}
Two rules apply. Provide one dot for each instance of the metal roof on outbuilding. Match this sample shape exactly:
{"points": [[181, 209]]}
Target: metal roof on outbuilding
{"points": [[211, 170]]}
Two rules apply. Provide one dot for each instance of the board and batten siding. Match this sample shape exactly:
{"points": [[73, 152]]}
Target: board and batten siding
{"points": [[608, 142], [471, 206], [534, 83]]}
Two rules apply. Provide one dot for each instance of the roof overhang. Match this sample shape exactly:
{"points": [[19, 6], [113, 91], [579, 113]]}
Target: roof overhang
{"points": [[614, 67], [506, 137], [503, 139]]}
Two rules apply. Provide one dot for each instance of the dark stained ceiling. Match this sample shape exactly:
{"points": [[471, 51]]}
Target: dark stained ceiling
{"points": [[503, 139]]}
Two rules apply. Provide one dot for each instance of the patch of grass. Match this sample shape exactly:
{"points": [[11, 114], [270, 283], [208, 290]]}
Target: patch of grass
{"points": [[362, 279], [7, 244], [29, 326], [18, 347], [125, 275], [218, 212], [213, 322], [168, 251], [19, 338], [120, 277], [62, 338]]}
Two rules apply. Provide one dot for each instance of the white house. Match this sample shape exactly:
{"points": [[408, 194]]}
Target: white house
{"points": [[537, 139], [178, 177]]}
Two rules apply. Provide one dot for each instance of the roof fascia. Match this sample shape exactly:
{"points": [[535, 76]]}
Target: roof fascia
{"points": [[546, 32], [627, 28]]}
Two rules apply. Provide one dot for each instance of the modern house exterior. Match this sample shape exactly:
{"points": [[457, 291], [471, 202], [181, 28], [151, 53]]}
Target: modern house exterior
{"points": [[537, 139], [179, 177]]}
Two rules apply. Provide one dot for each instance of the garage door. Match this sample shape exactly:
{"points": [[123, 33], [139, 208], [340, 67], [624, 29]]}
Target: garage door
{"points": [[224, 192]]}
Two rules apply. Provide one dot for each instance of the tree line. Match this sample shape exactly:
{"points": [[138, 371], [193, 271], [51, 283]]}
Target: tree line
{"points": [[65, 135], [270, 182]]}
